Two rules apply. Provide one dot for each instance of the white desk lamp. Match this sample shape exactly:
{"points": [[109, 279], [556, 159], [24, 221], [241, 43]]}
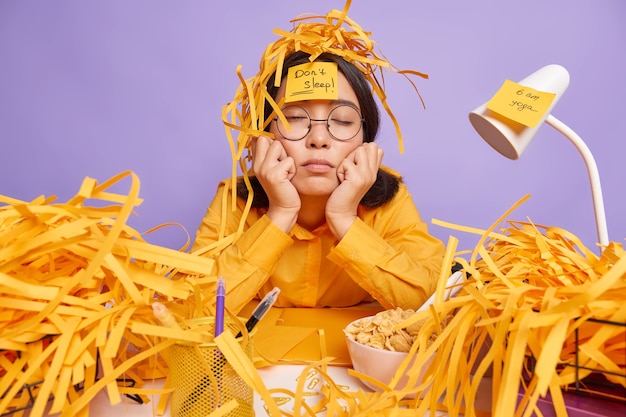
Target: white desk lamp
{"points": [[510, 138]]}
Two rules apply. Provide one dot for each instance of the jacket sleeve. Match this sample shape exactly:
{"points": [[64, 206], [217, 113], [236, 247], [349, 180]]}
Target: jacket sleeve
{"points": [[245, 266], [391, 255]]}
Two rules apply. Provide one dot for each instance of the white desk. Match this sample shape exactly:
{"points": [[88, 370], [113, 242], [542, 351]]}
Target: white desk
{"points": [[274, 377], [285, 376]]}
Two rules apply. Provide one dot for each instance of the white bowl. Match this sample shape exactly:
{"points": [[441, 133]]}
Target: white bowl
{"points": [[380, 364]]}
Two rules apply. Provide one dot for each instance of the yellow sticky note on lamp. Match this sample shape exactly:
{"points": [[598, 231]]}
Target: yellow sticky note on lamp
{"points": [[312, 81], [521, 104]]}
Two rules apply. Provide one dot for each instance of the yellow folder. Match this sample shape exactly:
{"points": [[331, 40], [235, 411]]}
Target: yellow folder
{"points": [[304, 335]]}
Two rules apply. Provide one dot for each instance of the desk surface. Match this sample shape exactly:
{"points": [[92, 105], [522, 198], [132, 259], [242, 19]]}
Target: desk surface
{"points": [[286, 376], [274, 377]]}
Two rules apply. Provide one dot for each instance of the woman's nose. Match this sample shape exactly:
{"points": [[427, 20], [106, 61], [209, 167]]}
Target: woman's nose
{"points": [[318, 136]]}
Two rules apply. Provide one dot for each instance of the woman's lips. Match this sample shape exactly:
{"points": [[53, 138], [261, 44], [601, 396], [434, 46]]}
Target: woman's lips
{"points": [[317, 166]]}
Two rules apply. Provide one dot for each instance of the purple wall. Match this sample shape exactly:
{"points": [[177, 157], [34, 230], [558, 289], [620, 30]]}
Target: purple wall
{"points": [[95, 88]]}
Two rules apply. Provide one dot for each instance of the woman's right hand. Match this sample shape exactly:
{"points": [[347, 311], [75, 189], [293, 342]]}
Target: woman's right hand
{"points": [[275, 169]]}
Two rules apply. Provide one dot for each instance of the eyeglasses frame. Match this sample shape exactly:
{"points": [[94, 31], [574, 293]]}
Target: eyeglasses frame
{"points": [[311, 120]]}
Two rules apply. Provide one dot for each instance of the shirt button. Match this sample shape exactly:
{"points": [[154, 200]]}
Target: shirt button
{"points": [[356, 255]]}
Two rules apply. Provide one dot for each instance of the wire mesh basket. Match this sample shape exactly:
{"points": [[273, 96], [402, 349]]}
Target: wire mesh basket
{"points": [[602, 383], [595, 381], [203, 380]]}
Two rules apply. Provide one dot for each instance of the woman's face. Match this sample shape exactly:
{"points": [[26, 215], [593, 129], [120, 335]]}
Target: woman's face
{"points": [[318, 154]]}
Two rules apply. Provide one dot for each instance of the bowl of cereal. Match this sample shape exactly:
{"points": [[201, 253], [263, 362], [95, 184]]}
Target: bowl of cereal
{"points": [[377, 350]]}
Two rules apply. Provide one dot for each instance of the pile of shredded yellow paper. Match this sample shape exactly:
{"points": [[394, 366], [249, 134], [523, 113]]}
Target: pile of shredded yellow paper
{"points": [[332, 33], [76, 289]]}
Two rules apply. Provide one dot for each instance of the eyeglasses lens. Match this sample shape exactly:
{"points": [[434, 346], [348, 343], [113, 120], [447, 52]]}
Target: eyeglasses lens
{"points": [[343, 122]]}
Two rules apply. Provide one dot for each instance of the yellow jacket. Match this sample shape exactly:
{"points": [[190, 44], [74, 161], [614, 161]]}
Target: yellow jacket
{"points": [[387, 255]]}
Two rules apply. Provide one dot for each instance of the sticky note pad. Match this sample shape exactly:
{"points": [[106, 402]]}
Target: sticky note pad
{"points": [[521, 104], [312, 81]]}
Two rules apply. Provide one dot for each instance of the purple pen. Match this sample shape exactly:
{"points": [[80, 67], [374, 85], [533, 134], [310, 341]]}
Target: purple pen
{"points": [[219, 306]]}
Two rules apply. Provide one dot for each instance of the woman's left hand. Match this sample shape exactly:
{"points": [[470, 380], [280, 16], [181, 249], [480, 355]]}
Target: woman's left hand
{"points": [[357, 173]]}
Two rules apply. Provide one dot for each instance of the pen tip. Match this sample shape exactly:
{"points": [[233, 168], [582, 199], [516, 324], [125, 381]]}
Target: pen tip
{"points": [[221, 286]]}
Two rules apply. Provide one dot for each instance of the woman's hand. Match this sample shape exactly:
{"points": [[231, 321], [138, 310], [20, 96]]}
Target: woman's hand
{"points": [[357, 173], [275, 169]]}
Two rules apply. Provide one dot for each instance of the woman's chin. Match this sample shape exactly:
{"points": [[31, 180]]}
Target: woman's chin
{"points": [[317, 186]]}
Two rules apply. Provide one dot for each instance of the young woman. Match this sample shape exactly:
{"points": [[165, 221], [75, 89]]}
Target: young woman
{"points": [[327, 224]]}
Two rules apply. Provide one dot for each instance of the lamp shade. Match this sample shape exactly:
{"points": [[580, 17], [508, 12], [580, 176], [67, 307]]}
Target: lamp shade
{"points": [[507, 136]]}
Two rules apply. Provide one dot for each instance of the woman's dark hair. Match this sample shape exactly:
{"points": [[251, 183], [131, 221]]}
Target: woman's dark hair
{"points": [[387, 184]]}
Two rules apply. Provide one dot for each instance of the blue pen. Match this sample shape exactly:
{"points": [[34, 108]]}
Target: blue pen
{"points": [[220, 295], [219, 306]]}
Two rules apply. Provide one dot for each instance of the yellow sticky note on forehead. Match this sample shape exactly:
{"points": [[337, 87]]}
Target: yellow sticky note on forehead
{"points": [[312, 81], [521, 104]]}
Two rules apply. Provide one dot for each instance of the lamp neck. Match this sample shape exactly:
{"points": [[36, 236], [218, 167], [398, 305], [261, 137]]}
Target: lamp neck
{"points": [[594, 176]]}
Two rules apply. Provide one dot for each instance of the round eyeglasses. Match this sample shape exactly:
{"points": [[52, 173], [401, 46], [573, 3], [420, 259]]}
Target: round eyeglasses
{"points": [[343, 123]]}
